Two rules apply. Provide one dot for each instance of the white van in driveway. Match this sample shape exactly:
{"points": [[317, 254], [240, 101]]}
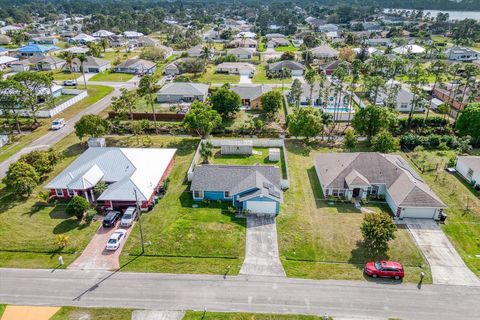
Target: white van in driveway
{"points": [[128, 217]]}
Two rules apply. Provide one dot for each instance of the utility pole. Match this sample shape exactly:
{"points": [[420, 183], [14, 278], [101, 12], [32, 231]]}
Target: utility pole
{"points": [[139, 220]]}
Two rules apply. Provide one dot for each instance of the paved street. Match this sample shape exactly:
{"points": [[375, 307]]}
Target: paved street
{"points": [[52, 137], [341, 299], [446, 264]]}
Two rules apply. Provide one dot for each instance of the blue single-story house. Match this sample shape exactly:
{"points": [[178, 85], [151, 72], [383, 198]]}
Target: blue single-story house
{"points": [[35, 50], [256, 189]]}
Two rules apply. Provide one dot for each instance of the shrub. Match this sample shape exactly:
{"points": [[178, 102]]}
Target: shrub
{"points": [[61, 241], [77, 207], [21, 179]]}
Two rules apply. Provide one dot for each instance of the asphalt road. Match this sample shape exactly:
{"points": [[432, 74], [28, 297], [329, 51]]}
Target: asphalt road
{"points": [[340, 299], [52, 137]]}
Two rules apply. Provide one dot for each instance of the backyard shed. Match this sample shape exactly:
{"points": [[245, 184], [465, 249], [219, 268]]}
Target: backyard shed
{"points": [[96, 143], [273, 154], [242, 147]]}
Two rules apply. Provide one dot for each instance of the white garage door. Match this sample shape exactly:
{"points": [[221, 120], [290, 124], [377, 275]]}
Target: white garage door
{"points": [[262, 206], [419, 213]]}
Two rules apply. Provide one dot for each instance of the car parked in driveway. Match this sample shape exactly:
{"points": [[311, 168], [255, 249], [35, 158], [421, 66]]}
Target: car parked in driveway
{"points": [[116, 239], [384, 269], [111, 218], [128, 217]]}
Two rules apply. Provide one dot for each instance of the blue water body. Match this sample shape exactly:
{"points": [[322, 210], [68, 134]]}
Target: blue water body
{"points": [[453, 15], [332, 110]]}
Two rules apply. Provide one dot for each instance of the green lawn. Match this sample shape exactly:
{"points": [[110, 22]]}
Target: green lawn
{"points": [[75, 313], [290, 48], [260, 156], [61, 75], [323, 241], [113, 56], [2, 309], [463, 223], [95, 93], [180, 238], [142, 105], [198, 315], [210, 76], [28, 229], [260, 76], [58, 100], [109, 76]]}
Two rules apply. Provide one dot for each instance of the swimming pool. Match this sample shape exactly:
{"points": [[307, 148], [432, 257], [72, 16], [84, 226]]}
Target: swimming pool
{"points": [[339, 109]]}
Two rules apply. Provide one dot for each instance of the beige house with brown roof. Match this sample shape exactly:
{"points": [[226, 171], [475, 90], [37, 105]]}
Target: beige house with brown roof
{"points": [[362, 174]]}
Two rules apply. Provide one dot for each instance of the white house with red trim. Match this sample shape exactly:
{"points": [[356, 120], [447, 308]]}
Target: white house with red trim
{"points": [[122, 169]]}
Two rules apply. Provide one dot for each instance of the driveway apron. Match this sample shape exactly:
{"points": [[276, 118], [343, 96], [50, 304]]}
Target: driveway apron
{"points": [[95, 257], [261, 256], [446, 264]]}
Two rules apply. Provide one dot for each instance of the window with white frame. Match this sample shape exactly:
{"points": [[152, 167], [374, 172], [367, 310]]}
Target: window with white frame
{"points": [[197, 194], [372, 190], [338, 192], [71, 193], [226, 194], [59, 192]]}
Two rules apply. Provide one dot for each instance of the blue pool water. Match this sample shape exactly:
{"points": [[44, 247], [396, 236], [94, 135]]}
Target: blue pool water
{"points": [[332, 110]]}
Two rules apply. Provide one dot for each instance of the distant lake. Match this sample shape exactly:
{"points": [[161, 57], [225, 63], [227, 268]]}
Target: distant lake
{"points": [[453, 15]]}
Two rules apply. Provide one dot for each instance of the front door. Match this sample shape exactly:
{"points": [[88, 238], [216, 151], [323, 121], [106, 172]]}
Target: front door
{"points": [[356, 192]]}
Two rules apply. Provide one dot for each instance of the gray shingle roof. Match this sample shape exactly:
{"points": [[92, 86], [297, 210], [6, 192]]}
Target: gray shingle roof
{"points": [[251, 91], [184, 88], [289, 64], [404, 185], [236, 179], [471, 161], [137, 64]]}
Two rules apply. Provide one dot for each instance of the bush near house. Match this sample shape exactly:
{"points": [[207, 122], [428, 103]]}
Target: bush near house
{"points": [[77, 207]]}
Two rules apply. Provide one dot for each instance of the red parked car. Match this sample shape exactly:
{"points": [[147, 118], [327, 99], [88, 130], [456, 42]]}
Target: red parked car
{"points": [[384, 269]]}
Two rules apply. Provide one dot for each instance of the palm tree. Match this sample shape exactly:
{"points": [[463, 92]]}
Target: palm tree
{"points": [[82, 58], [104, 44], [206, 151], [417, 77], [310, 78], [469, 76], [438, 68], [68, 57], [206, 53], [147, 88], [355, 69]]}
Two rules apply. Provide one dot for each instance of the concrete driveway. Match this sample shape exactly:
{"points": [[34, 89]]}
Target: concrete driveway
{"points": [[446, 264], [261, 254], [95, 257], [300, 78], [245, 78]]}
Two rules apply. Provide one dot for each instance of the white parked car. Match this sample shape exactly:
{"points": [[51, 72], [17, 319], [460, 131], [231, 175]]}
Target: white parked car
{"points": [[58, 124], [168, 77], [116, 239], [128, 217], [70, 83]]}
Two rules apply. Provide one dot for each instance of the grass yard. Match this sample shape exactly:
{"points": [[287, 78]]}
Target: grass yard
{"points": [[142, 105], [2, 309], [60, 75], [29, 229], [260, 76], [260, 156], [210, 76], [95, 93], [58, 100], [463, 223], [290, 48], [109, 76], [178, 237], [322, 241], [75, 313], [199, 315], [119, 57]]}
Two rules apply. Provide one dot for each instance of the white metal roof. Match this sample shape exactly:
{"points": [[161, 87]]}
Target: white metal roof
{"points": [[124, 169]]}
